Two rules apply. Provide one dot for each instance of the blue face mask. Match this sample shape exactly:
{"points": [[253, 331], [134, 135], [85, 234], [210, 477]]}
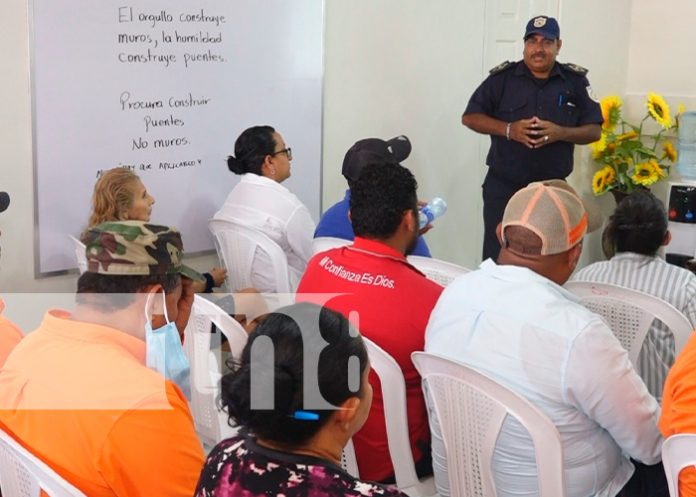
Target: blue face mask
{"points": [[164, 353]]}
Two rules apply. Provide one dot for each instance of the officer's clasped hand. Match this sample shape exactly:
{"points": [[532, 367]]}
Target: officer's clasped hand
{"points": [[534, 132]]}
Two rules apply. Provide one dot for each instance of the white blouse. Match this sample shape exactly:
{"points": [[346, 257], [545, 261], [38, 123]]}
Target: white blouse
{"points": [[267, 205]]}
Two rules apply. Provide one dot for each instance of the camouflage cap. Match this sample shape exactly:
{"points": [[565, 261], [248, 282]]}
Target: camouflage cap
{"points": [[130, 248]]}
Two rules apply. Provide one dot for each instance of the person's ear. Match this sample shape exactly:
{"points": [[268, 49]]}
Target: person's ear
{"points": [[346, 413], [412, 220], [667, 238], [155, 302], [409, 220], [574, 256], [267, 168], [560, 43], [499, 233]]}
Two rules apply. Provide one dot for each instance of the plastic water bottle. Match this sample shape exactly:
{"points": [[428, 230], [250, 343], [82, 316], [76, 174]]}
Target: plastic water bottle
{"points": [[686, 162], [435, 208]]}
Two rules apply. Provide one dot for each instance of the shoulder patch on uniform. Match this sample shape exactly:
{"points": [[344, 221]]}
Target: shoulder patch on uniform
{"points": [[500, 67], [575, 68], [591, 94]]}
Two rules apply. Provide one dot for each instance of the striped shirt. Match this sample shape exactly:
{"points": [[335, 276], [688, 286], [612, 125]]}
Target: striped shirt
{"points": [[650, 274]]}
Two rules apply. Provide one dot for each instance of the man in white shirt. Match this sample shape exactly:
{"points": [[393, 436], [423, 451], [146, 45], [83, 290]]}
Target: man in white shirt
{"points": [[514, 322]]}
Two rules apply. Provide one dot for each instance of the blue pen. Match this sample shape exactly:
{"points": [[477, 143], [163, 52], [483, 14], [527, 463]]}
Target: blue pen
{"points": [[560, 99]]}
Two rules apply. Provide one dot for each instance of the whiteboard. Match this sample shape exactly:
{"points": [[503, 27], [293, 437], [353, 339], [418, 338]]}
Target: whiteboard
{"points": [[165, 88]]}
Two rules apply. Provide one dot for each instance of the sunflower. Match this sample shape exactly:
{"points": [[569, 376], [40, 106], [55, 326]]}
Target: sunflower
{"points": [[670, 151], [611, 111], [659, 110], [681, 108], [626, 136], [603, 179], [599, 146], [658, 170], [647, 173]]}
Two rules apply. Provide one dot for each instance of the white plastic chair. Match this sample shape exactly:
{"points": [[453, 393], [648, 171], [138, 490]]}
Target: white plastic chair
{"points": [[22, 474], [80, 256], [630, 313], [349, 463], [238, 246], [678, 452], [210, 421], [322, 243], [394, 396], [471, 409], [439, 271]]}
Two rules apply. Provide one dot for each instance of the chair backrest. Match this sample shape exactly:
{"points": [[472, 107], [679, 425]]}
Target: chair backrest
{"points": [[393, 385], [349, 463], [238, 245], [439, 271], [80, 256], [210, 421], [678, 452], [471, 409], [322, 243], [22, 474], [630, 313]]}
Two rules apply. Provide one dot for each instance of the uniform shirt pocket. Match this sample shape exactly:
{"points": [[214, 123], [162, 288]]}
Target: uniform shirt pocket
{"points": [[567, 110], [514, 107]]}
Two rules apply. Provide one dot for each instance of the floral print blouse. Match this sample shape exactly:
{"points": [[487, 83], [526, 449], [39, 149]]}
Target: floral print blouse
{"points": [[240, 467]]}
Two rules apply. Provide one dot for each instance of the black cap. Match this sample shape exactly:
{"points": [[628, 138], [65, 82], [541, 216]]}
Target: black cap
{"points": [[544, 26], [371, 150]]}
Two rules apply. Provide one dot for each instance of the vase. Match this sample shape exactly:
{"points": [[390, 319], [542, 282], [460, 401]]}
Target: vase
{"points": [[619, 195]]}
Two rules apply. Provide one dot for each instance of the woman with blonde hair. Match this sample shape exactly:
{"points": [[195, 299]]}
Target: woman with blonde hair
{"points": [[119, 195]]}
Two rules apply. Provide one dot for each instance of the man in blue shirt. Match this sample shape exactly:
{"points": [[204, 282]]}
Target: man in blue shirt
{"points": [[335, 221], [535, 111]]}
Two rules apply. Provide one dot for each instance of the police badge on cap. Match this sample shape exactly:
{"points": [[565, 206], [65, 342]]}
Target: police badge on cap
{"points": [[543, 25]]}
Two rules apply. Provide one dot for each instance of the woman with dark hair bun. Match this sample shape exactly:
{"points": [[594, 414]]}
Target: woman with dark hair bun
{"points": [[632, 239], [263, 159], [293, 428]]}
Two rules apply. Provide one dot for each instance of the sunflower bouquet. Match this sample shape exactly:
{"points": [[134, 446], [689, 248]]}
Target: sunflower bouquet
{"points": [[630, 159]]}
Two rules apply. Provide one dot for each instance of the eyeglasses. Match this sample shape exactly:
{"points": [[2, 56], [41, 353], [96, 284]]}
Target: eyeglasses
{"points": [[287, 151]]}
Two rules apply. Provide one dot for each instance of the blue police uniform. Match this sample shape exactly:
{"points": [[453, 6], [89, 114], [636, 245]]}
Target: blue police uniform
{"points": [[511, 93]]}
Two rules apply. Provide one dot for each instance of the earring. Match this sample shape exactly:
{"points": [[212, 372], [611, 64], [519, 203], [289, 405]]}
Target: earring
{"points": [[273, 172]]}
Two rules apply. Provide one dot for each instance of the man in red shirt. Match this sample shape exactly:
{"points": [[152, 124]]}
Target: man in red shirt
{"points": [[388, 299]]}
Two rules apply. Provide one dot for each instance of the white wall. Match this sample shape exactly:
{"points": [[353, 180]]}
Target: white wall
{"points": [[403, 67], [596, 35], [661, 52], [656, 39], [392, 67]]}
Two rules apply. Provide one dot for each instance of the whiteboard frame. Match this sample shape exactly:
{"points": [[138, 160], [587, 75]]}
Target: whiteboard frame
{"points": [[38, 274]]}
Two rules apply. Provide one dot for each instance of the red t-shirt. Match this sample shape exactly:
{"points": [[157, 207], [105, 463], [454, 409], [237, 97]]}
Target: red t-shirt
{"points": [[393, 301]]}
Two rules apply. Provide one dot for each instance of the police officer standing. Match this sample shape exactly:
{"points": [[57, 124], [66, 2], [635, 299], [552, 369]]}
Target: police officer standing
{"points": [[535, 110]]}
